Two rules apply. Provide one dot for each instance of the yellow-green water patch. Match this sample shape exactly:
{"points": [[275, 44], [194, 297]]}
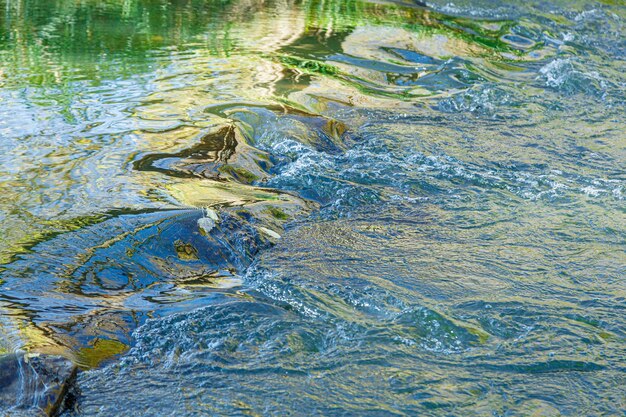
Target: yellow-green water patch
{"points": [[100, 351]]}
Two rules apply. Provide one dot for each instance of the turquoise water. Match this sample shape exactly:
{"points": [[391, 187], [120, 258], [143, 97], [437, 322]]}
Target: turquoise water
{"points": [[317, 207]]}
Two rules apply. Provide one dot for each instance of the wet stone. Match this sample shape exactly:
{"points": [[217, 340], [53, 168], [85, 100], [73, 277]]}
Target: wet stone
{"points": [[219, 155], [35, 384], [107, 279]]}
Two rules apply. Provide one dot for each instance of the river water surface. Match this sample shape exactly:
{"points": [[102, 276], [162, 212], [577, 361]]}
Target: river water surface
{"points": [[317, 207]]}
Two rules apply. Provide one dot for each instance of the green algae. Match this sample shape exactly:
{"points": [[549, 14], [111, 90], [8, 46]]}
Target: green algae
{"points": [[239, 173], [277, 213]]}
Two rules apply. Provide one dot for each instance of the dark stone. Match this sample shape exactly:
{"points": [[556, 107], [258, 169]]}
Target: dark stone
{"points": [[35, 383]]}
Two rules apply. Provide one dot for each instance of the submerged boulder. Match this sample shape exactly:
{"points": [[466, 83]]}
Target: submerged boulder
{"points": [[221, 154], [32, 384], [94, 286]]}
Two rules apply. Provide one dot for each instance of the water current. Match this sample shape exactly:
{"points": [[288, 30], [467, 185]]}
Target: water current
{"points": [[316, 207]]}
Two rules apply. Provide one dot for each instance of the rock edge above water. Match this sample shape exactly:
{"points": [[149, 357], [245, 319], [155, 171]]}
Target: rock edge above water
{"points": [[32, 383]]}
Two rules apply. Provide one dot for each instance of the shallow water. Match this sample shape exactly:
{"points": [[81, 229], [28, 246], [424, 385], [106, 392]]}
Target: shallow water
{"points": [[412, 209]]}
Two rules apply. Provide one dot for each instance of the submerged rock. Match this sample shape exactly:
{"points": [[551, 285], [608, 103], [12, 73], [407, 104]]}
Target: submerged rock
{"points": [[35, 384], [96, 285], [220, 154]]}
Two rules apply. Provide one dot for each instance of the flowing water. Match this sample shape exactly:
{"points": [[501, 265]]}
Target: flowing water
{"points": [[317, 207]]}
